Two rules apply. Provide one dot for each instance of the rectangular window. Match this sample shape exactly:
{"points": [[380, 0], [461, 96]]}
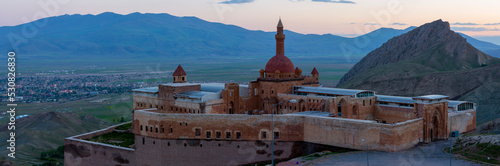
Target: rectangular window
{"points": [[238, 135], [146, 128], [209, 134], [264, 135], [197, 132], [218, 135], [141, 127], [156, 129], [276, 135], [228, 135]]}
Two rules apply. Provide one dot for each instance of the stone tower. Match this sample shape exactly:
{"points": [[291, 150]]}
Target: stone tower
{"points": [[280, 39], [179, 75], [279, 66]]}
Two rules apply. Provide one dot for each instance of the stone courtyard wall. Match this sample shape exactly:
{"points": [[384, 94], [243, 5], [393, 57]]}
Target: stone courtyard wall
{"points": [[462, 122], [339, 132], [349, 133], [80, 152]]}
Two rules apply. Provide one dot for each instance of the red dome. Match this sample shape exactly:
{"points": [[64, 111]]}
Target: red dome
{"points": [[281, 63]]}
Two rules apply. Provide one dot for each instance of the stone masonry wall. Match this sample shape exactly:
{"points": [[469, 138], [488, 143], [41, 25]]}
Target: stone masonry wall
{"points": [[348, 133], [338, 132], [391, 114], [463, 122], [79, 152]]}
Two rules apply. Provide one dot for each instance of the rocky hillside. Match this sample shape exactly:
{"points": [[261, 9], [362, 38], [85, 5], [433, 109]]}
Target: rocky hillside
{"points": [[431, 59], [432, 45], [484, 148], [46, 131]]}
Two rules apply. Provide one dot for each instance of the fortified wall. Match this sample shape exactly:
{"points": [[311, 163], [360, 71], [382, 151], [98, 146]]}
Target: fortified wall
{"points": [[80, 152], [332, 131]]}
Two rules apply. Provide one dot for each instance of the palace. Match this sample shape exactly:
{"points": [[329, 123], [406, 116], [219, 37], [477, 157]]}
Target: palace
{"points": [[282, 112]]}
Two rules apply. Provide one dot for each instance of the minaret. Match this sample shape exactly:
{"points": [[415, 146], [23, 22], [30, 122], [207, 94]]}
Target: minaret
{"points": [[280, 39]]}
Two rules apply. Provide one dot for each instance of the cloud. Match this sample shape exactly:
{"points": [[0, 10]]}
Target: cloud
{"points": [[474, 29], [236, 1], [498, 23], [335, 1], [398, 23], [467, 23], [371, 24]]}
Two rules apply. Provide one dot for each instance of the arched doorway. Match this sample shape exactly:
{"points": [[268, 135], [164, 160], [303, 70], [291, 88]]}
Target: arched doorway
{"points": [[342, 103], [355, 110], [434, 133], [302, 105], [231, 105]]}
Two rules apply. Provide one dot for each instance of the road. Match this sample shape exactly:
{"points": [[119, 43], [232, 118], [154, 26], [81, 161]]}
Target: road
{"points": [[426, 155]]}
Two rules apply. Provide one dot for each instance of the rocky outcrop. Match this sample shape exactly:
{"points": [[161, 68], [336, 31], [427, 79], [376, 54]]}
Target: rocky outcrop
{"points": [[431, 59], [433, 45]]}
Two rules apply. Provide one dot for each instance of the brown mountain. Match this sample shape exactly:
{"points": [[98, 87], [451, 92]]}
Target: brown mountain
{"points": [[431, 59], [432, 45]]}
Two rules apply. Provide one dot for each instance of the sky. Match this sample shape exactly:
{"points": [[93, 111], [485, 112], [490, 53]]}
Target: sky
{"points": [[340, 17]]}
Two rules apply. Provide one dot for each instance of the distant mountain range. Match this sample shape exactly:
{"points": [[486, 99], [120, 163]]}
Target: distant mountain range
{"points": [[132, 36], [431, 59]]}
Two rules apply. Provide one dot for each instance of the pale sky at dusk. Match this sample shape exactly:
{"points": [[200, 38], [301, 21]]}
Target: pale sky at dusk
{"points": [[340, 17]]}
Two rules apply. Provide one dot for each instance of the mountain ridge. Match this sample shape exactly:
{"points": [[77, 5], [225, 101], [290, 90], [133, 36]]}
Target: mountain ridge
{"points": [[431, 59], [136, 35], [433, 44]]}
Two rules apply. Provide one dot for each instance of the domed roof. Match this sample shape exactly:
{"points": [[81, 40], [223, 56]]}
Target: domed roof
{"points": [[281, 63]]}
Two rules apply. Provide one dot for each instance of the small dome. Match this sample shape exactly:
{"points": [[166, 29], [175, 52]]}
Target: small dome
{"points": [[261, 71], [281, 63]]}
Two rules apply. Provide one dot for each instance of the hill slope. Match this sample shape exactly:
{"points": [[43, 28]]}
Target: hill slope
{"points": [[432, 45], [431, 60], [46, 131]]}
